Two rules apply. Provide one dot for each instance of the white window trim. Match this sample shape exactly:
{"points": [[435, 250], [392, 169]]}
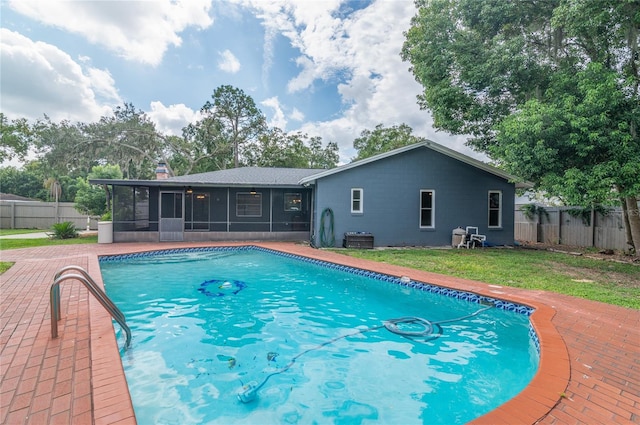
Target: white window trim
{"points": [[433, 209], [489, 209], [361, 210]]}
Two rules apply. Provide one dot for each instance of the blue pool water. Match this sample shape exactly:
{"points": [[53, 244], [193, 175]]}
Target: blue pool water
{"points": [[207, 323]]}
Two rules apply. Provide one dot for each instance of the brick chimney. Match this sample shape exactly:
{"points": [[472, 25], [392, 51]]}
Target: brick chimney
{"points": [[162, 173]]}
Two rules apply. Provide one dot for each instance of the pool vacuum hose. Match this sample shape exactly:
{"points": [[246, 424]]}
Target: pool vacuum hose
{"points": [[249, 391]]}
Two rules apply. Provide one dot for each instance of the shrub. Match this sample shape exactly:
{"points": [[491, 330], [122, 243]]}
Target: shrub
{"points": [[64, 230]]}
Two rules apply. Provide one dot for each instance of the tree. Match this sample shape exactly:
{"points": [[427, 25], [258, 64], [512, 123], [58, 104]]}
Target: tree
{"points": [[93, 199], [22, 182], [63, 147], [235, 118], [54, 188], [129, 139], [322, 157], [202, 148], [548, 89], [383, 139], [14, 138], [276, 148]]}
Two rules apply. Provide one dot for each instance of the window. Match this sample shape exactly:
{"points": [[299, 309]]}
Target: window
{"points": [[197, 211], [170, 205], [249, 204], [292, 202], [495, 208], [427, 208], [356, 201], [130, 208]]}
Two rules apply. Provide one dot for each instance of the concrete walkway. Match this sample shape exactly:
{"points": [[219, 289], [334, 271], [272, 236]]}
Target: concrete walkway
{"points": [[589, 372]]}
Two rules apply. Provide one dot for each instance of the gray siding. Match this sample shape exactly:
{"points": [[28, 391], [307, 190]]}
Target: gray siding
{"points": [[391, 199]]}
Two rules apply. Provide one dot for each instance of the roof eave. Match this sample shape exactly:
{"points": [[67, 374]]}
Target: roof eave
{"points": [[169, 183], [524, 185]]}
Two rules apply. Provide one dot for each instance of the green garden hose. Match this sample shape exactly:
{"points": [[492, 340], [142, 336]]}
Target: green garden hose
{"points": [[327, 237]]}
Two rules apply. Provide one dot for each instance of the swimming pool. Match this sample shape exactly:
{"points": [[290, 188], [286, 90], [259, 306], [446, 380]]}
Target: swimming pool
{"points": [[207, 322]]}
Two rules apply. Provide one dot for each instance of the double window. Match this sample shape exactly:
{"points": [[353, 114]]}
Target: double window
{"points": [[427, 208], [495, 208], [356, 201]]}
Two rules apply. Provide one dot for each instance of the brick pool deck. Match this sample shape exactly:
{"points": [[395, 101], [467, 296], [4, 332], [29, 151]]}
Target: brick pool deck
{"points": [[589, 369]]}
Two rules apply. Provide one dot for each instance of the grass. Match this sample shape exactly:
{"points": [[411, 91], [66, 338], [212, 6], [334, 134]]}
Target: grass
{"points": [[597, 280], [6, 232], [33, 243], [4, 266]]}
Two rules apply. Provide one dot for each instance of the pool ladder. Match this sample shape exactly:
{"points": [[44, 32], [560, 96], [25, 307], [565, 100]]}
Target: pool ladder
{"points": [[95, 290]]}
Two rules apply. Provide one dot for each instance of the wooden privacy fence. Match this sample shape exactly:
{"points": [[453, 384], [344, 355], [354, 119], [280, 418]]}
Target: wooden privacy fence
{"points": [[560, 227], [41, 215]]}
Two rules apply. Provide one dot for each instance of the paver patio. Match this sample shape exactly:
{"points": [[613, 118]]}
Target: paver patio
{"points": [[589, 373]]}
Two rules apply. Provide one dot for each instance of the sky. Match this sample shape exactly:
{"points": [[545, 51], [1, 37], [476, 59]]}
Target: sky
{"points": [[327, 68]]}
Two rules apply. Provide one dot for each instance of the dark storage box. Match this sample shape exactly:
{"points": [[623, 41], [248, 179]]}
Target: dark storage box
{"points": [[358, 240]]}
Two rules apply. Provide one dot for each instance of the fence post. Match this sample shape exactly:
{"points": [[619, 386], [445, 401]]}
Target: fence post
{"points": [[592, 227], [559, 226]]}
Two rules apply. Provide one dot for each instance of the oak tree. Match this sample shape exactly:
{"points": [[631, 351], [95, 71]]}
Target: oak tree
{"points": [[549, 89]]}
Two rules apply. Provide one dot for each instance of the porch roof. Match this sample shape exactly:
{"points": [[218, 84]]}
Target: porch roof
{"points": [[242, 177]]}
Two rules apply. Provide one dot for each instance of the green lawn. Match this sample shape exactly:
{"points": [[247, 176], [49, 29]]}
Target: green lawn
{"points": [[578, 276], [32, 243], [4, 266], [5, 232]]}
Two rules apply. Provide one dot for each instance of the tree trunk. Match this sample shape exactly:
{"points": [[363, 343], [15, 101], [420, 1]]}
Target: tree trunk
{"points": [[108, 196], [627, 226], [633, 215]]}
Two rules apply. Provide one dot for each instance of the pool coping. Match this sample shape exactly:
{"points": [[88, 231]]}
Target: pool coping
{"points": [[112, 403]]}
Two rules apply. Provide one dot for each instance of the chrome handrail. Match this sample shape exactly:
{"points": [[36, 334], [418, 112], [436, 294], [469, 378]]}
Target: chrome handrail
{"points": [[96, 291]]}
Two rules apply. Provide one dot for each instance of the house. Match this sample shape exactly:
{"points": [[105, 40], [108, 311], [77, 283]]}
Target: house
{"points": [[411, 196]]}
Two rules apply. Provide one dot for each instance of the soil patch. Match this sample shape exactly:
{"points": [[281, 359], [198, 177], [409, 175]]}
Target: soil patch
{"points": [[593, 253]]}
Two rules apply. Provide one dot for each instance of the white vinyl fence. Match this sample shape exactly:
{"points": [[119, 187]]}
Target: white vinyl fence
{"points": [[560, 227], [41, 215]]}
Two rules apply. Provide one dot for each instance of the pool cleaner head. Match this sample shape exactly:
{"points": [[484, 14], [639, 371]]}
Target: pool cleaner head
{"points": [[249, 392]]}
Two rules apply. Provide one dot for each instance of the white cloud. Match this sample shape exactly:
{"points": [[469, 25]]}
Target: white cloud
{"points": [[228, 62], [102, 83], [362, 54], [137, 30], [37, 78], [278, 119], [170, 120], [296, 115]]}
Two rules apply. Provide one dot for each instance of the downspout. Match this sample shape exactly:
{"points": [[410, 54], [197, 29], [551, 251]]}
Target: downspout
{"points": [[270, 210], [312, 215], [228, 211]]}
